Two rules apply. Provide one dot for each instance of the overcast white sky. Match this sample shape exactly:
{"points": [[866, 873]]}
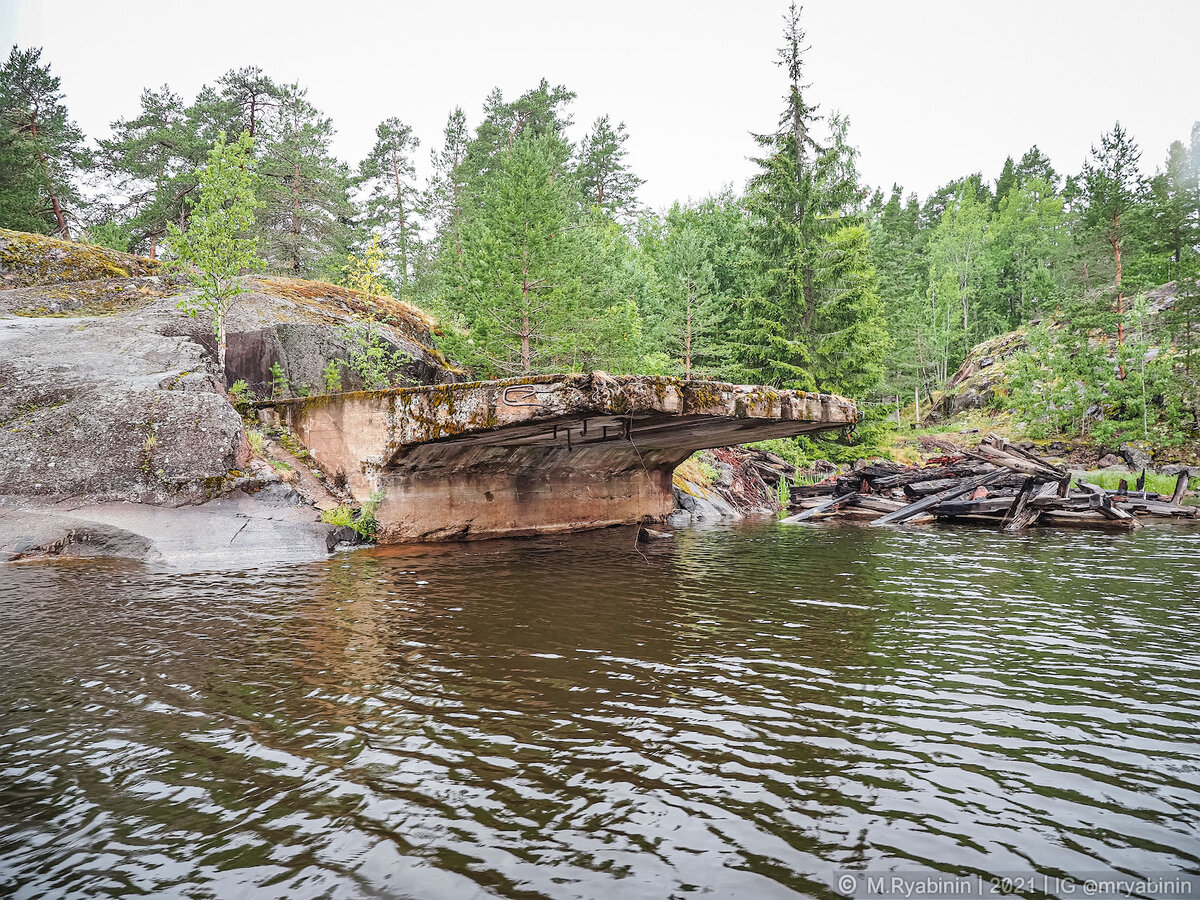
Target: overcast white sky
{"points": [[934, 88]]}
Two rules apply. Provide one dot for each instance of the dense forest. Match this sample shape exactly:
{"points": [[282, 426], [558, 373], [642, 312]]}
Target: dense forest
{"points": [[529, 242]]}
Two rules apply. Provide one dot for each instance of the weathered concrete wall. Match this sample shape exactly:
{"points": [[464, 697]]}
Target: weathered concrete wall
{"points": [[532, 455]]}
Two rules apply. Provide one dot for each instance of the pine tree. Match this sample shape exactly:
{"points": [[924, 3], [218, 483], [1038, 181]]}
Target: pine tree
{"points": [[306, 214], [393, 200], [151, 161], [43, 144], [252, 96], [605, 177], [21, 194], [1111, 187], [540, 112]]}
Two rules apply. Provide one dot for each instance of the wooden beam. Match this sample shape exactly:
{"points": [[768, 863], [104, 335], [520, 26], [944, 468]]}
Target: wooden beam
{"points": [[825, 506], [1021, 515], [963, 487], [1181, 486]]}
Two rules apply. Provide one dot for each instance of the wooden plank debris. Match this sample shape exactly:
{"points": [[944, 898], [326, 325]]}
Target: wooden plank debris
{"points": [[963, 487], [998, 482]]}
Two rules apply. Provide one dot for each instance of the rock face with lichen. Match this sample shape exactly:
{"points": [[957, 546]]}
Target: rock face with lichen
{"points": [[109, 391]]}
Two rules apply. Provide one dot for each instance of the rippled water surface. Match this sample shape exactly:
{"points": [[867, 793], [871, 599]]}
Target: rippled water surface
{"points": [[746, 711]]}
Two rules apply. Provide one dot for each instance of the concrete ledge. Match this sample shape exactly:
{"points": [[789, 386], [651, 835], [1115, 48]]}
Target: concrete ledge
{"points": [[537, 454]]}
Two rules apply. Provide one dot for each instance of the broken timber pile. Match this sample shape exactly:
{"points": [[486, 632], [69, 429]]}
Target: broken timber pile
{"points": [[996, 483]]}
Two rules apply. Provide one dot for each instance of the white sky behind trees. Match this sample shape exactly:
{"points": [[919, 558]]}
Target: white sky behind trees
{"points": [[934, 89]]}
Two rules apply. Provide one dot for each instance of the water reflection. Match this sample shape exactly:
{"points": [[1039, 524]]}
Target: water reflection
{"points": [[741, 711]]}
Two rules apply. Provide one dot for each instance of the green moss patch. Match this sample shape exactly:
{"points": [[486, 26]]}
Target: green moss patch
{"points": [[35, 259]]}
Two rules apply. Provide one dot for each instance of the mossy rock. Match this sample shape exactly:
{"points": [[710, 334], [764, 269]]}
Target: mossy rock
{"points": [[27, 260]]}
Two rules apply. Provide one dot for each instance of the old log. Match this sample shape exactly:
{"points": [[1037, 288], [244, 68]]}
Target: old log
{"points": [[963, 487], [920, 476], [988, 506]]}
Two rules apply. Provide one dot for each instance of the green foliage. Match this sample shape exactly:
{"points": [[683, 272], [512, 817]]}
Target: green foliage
{"points": [[113, 235], [371, 357], [239, 392], [813, 318], [218, 242], [1159, 484], [538, 256], [365, 522], [341, 516], [332, 375], [257, 441], [689, 287], [41, 149], [280, 386], [604, 176], [393, 202], [1073, 382], [519, 272], [303, 194]]}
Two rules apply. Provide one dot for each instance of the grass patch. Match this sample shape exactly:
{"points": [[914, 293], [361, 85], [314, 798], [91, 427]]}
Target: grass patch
{"points": [[361, 520], [282, 467], [341, 515], [258, 441], [1159, 484]]}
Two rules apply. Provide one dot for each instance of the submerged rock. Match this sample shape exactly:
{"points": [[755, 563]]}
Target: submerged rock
{"points": [[645, 535]]}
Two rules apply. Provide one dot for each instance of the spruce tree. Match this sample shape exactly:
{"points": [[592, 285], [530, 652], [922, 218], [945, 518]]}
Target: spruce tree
{"points": [[444, 195], [799, 199], [1006, 182]]}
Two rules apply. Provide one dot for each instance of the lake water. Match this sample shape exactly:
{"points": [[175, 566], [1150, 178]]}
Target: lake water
{"points": [[744, 711]]}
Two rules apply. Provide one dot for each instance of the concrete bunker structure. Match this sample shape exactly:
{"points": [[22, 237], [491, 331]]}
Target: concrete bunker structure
{"points": [[535, 455]]}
